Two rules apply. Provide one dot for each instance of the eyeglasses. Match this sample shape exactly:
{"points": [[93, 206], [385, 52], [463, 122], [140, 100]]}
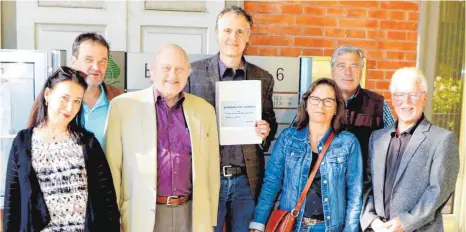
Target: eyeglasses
{"points": [[345, 66], [400, 96], [315, 101]]}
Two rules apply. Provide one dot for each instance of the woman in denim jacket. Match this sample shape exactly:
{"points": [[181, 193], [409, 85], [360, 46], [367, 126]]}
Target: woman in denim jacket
{"points": [[334, 200]]}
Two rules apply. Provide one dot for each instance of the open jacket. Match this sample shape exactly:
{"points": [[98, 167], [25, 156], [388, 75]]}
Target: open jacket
{"points": [[288, 171], [131, 150], [25, 207]]}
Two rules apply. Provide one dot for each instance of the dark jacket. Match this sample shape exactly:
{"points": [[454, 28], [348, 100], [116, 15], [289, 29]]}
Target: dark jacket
{"points": [[25, 207], [205, 73]]}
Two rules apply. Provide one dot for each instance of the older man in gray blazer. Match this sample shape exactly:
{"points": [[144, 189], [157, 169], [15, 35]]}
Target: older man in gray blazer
{"points": [[413, 166]]}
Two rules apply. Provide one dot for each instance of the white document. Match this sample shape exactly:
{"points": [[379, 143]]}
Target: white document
{"points": [[239, 107]]}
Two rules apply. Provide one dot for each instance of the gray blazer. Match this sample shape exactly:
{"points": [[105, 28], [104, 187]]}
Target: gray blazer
{"points": [[425, 180], [205, 73]]}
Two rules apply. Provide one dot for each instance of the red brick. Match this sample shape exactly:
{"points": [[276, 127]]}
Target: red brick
{"points": [[370, 64], [271, 40], [285, 30], [411, 56], [378, 34], [313, 31], [252, 50], [269, 7], [312, 52], [292, 9], [411, 36], [268, 51], [396, 15], [400, 5], [365, 4], [396, 35], [382, 84], [361, 23], [313, 42], [336, 11], [251, 6], [320, 3], [364, 44], [378, 14], [395, 25], [309, 10], [397, 45], [260, 29], [290, 51], [374, 74], [358, 13], [395, 55], [329, 51], [382, 64], [374, 54], [356, 34], [389, 74], [334, 32], [413, 16], [267, 18], [316, 21], [387, 94], [370, 84]]}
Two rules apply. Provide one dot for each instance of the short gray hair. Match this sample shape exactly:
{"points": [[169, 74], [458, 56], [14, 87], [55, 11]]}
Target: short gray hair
{"points": [[238, 11], [347, 49], [404, 74], [155, 57]]}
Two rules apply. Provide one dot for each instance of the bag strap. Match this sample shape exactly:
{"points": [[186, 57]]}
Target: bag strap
{"points": [[295, 211]]}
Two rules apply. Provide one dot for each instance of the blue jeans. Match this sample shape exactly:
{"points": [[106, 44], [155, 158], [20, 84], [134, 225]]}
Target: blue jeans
{"points": [[235, 199], [320, 227]]}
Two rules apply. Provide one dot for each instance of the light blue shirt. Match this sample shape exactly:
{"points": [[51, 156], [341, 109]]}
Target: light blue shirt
{"points": [[94, 119]]}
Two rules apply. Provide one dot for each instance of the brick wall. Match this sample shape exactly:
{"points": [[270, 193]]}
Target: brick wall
{"points": [[385, 30]]}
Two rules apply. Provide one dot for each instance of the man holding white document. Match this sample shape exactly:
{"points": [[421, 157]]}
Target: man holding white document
{"points": [[242, 95]]}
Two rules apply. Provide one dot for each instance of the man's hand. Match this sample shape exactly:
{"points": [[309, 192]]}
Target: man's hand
{"points": [[262, 129], [378, 225], [394, 225]]}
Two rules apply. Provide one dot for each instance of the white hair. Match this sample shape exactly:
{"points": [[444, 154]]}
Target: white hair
{"points": [[404, 74]]}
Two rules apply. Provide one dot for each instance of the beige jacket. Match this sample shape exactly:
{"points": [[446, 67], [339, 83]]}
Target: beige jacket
{"points": [[131, 150]]}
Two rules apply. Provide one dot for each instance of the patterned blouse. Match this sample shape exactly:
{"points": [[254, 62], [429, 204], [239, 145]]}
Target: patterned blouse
{"points": [[61, 172]]}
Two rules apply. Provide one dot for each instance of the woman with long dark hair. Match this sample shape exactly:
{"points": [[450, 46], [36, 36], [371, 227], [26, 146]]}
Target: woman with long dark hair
{"points": [[333, 202], [57, 177]]}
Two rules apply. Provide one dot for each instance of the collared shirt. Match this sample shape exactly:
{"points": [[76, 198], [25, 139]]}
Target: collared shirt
{"points": [[173, 148], [313, 207], [388, 120], [396, 149], [94, 119], [231, 154]]}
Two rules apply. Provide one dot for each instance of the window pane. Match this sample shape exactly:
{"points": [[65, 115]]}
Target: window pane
{"points": [[449, 71]]}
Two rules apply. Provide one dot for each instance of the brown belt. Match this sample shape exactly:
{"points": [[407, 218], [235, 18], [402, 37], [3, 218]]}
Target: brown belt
{"points": [[172, 200]]}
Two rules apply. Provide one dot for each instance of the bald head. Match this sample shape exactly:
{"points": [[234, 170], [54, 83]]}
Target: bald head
{"points": [[173, 49], [169, 70]]}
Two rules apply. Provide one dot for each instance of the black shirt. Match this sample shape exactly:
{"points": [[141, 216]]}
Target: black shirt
{"points": [[397, 147], [313, 207]]}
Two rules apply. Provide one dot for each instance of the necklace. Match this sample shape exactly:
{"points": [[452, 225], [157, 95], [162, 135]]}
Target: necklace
{"points": [[57, 133]]}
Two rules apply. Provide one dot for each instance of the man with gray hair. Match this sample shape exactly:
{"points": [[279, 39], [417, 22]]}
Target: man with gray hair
{"points": [[242, 166], [365, 111], [162, 148], [413, 164]]}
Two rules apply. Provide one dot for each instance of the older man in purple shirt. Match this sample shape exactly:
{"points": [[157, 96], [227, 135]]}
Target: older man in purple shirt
{"points": [[162, 148], [173, 148]]}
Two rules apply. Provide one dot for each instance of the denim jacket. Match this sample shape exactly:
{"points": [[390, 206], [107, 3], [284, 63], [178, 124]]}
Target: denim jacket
{"points": [[288, 170]]}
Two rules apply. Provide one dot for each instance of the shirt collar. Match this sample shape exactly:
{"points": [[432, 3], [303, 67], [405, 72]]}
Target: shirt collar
{"points": [[411, 129], [354, 95], [101, 101], [222, 67], [158, 97]]}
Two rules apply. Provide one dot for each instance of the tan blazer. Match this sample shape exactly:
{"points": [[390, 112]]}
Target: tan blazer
{"points": [[131, 150]]}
